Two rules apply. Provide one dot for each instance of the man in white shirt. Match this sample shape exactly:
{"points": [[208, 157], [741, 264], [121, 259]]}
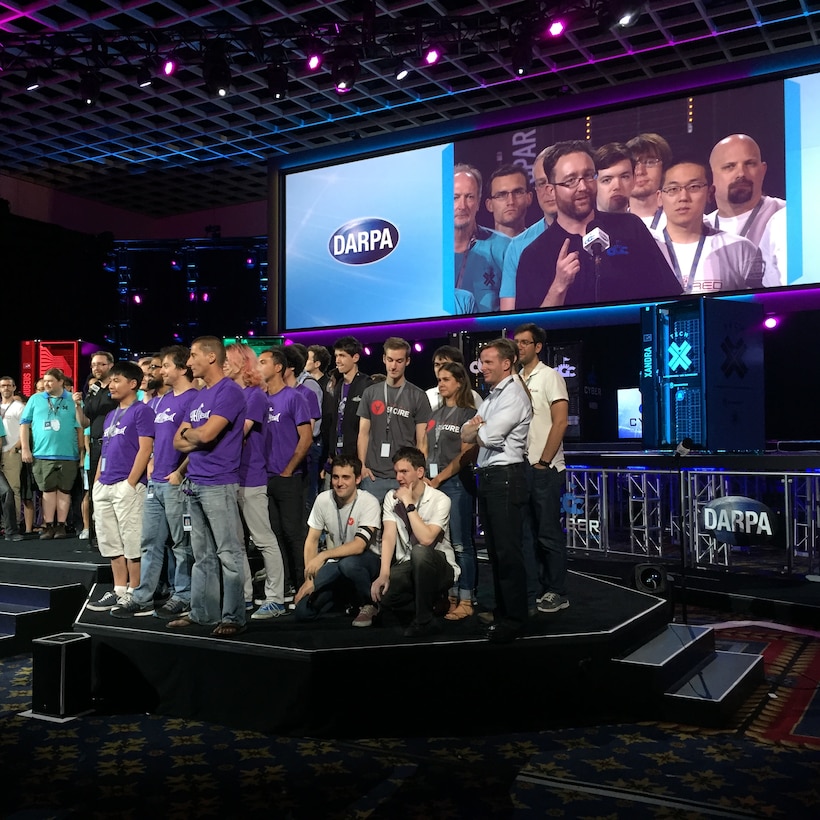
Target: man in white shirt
{"points": [[11, 411]]}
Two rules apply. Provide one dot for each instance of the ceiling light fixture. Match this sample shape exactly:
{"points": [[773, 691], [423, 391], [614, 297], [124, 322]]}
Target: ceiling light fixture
{"points": [[32, 80], [277, 79], [90, 87], [345, 71], [215, 69]]}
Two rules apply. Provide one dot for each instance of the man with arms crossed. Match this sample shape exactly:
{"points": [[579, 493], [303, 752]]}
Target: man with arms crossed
{"points": [[211, 437], [500, 428]]}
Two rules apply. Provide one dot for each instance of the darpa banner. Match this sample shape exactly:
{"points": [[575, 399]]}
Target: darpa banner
{"points": [[739, 521], [363, 241]]}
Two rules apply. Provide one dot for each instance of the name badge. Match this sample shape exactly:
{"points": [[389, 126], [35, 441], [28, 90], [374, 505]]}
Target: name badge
{"points": [[433, 470], [385, 450]]}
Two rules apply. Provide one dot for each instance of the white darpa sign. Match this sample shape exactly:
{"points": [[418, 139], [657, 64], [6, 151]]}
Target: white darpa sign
{"points": [[362, 241], [738, 520]]}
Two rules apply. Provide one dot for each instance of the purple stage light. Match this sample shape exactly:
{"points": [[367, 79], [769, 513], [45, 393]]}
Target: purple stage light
{"points": [[169, 66], [418, 347], [137, 299], [314, 61], [771, 322], [205, 297], [432, 55], [556, 28]]}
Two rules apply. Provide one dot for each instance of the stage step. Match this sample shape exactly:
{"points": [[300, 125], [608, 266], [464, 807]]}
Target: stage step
{"points": [[28, 612], [715, 691], [681, 673]]}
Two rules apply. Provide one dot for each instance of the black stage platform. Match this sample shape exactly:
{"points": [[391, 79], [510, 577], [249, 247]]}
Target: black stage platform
{"points": [[328, 677]]}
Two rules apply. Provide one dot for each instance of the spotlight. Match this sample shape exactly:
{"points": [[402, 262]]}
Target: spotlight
{"points": [[345, 72], [650, 579], [169, 66], [771, 322], [520, 54], [89, 87], [624, 13], [418, 347], [432, 54], [216, 71], [137, 299], [400, 70], [277, 79], [144, 78], [32, 80], [313, 52], [556, 28]]}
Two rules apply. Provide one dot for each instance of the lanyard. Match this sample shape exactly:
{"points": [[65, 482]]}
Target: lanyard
{"points": [[54, 409], [749, 222], [460, 276], [689, 281], [398, 397], [343, 532], [657, 218]]}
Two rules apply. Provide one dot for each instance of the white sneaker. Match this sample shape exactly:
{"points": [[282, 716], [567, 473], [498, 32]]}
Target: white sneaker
{"points": [[83, 536]]}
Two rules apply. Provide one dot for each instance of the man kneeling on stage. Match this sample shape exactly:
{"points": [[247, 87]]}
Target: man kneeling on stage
{"points": [[415, 522], [342, 572]]}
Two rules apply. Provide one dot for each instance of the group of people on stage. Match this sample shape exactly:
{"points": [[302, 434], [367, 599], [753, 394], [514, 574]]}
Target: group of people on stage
{"points": [[201, 451], [623, 222]]}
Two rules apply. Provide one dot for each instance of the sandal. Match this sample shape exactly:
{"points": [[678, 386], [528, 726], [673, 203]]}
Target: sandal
{"points": [[463, 610], [181, 623], [228, 629]]}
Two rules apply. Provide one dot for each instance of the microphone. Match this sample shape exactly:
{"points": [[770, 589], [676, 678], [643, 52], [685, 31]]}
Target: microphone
{"points": [[94, 388], [595, 241]]}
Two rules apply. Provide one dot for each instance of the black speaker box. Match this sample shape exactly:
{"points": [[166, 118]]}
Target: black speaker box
{"points": [[61, 674]]}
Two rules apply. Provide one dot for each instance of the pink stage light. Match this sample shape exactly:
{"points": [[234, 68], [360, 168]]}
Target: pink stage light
{"points": [[771, 322], [557, 28], [169, 66], [314, 61], [432, 55]]}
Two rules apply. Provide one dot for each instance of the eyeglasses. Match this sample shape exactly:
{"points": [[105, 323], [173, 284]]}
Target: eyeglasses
{"points": [[573, 182], [524, 342], [652, 162], [154, 366], [692, 188], [501, 196]]}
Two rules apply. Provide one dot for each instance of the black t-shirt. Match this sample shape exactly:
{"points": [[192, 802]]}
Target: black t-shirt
{"points": [[632, 268]]}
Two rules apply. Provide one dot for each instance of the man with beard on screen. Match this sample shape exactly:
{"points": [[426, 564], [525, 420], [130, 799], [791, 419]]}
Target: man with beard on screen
{"points": [[587, 256]]}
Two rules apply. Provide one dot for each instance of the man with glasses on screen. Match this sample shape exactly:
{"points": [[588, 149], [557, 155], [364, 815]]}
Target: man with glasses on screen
{"points": [[586, 256], [545, 194], [704, 260], [479, 252], [508, 199], [742, 208]]}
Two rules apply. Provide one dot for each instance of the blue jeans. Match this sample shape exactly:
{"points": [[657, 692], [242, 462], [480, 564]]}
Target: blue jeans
{"points": [[161, 516], [356, 573], [379, 487], [217, 542], [461, 534], [545, 544]]}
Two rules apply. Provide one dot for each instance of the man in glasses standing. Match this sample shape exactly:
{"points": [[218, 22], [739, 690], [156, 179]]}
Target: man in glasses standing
{"points": [[588, 257], [479, 252], [508, 199], [652, 154], [705, 260]]}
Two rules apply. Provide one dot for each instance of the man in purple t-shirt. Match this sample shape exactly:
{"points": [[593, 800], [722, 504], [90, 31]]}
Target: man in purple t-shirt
{"points": [[119, 488], [288, 436], [164, 501], [212, 438]]}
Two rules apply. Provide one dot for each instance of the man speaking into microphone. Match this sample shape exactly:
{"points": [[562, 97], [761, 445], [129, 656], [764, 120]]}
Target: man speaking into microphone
{"points": [[588, 256]]}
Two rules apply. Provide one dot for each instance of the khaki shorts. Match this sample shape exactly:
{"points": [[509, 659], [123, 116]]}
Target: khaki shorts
{"points": [[55, 475]]}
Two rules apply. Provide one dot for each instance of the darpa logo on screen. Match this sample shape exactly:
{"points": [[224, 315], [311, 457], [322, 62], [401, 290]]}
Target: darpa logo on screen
{"points": [[362, 241], [739, 521]]}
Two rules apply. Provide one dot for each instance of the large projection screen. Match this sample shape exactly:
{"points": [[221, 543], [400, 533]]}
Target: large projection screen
{"points": [[371, 240]]}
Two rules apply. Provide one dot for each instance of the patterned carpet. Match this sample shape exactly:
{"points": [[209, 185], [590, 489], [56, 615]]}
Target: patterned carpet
{"points": [[766, 765]]}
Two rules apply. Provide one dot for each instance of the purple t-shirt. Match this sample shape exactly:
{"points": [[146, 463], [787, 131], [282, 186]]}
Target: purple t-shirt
{"points": [[314, 408], [218, 462], [169, 412], [252, 470], [287, 409], [121, 441]]}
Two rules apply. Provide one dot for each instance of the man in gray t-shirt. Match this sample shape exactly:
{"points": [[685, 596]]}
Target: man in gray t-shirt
{"points": [[342, 572]]}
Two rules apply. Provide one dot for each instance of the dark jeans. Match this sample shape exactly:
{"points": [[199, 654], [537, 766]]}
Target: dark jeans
{"points": [[288, 522], [502, 501], [545, 545], [417, 584], [345, 581], [10, 515]]}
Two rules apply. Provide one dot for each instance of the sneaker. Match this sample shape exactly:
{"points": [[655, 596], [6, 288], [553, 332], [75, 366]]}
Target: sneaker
{"points": [[130, 607], [259, 601], [269, 610], [290, 593], [172, 609], [83, 536], [552, 602], [59, 531], [108, 601], [248, 606], [366, 615], [14, 536]]}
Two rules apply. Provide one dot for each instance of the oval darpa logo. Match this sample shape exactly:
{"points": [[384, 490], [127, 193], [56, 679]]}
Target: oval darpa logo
{"points": [[739, 521], [362, 241]]}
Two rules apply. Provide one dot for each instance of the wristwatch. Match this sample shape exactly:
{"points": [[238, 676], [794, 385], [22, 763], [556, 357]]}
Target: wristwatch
{"points": [[544, 463], [410, 508]]}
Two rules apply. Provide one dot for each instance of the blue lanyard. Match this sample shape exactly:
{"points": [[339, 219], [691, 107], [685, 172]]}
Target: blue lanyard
{"points": [[689, 282]]}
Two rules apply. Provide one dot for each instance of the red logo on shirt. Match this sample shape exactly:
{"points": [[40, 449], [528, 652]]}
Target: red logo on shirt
{"points": [[377, 408], [431, 424], [350, 521]]}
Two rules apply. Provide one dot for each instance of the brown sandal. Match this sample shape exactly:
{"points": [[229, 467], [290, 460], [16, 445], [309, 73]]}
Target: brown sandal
{"points": [[228, 629], [463, 610]]}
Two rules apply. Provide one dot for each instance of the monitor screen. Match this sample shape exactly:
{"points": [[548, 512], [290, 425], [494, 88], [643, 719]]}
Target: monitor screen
{"points": [[630, 424], [377, 239]]}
